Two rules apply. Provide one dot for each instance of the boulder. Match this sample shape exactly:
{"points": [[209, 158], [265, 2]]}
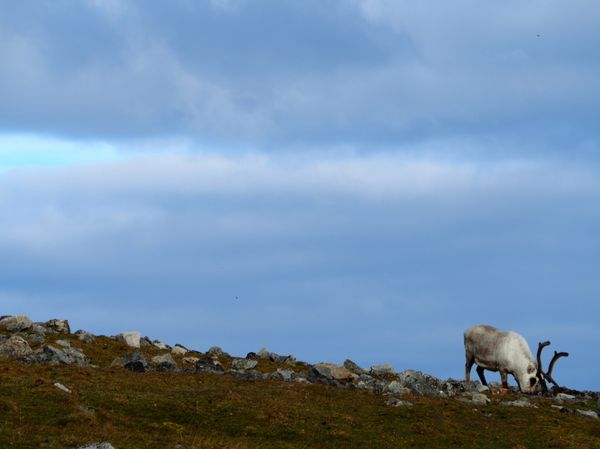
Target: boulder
{"points": [[382, 370], [163, 362], [353, 367], [145, 342], [369, 383], [131, 339], [521, 402], [65, 356], [263, 354], [85, 337], [62, 387], [58, 326], [64, 343], [395, 402], [243, 364], [395, 387], [207, 365], [216, 352], [38, 328], [590, 413], [36, 339], [333, 372], [480, 399], [134, 361], [247, 374], [15, 323], [282, 374], [421, 384], [16, 347], [160, 345], [179, 350], [190, 360]]}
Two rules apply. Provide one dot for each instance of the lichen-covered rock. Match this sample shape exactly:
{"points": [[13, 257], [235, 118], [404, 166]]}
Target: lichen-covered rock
{"points": [[209, 366], [353, 367], [329, 371], [247, 374], [163, 362], [160, 345], [85, 337], [15, 323], [369, 383], [58, 326], [134, 361], [395, 387], [421, 384], [179, 350], [16, 347], [65, 356], [216, 352], [382, 370], [395, 402], [243, 364], [131, 339]]}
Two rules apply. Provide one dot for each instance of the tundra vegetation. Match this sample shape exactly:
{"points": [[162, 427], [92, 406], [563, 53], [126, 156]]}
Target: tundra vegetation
{"points": [[68, 390]]}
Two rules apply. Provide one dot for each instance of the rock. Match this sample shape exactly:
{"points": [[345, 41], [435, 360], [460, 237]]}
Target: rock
{"points": [[333, 372], [16, 347], [58, 326], [179, 350], [598, 406], [190, 360], [164, 362], [247, 374], [36, 339], [85, 337], [252, 355], [134, 361], [353, 367], [282, 374], [480, 399], [103, 445], [146, 343], [131, 339], [395, 402], [521, 402], [382, 370], [366, 382], [66, 356], [216, 352], [15, 323], [421, 384], [263, 354], [243, 364], [209, 366], [590, 413], [63, 343], [62, 387], [160, 345], [38, 328], [395, 387]]}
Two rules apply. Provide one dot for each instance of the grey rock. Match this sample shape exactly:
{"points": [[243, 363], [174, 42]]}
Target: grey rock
{"points": [[479, 399], [66, 356], [63, 343], [216, 352], [131, 339], [247, 374], [38, 328], [590, 413], [58, 326], [369, 383], [521, 402], [103, 445], [160, 345], [263, 354], [190, 360], [243, 364], [395, 387], [146, 343], [36, 339], [421, 384], [85, 337], [62, 387], [135, 362], [15, 346], [382, 370], [209, 366], [330, 371], [353, 367], [283, 374], [164, 362], [179, 350], [15, 323], [395, 402], [598, 406]]}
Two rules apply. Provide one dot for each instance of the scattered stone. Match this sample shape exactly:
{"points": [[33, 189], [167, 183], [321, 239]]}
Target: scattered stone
{"points": [[243, 364], [16, 347], [38, 328], [368, 383], [590, 413], [209, 366], [15, 323], [62, 387], [103, 445], [353, 367], [36, 339], [164, 362], [63, 343], [131, 339], [216, 352], [160, 345], [562, 398], [395, 387], [395, 402], [146, 343], [179, 350], [263, 354], [85, 337], [58, 326], [521, 402], [282, 374], [247, 374], [133, 362], [66, 356], [382, 370], [190, 360], [421, 384], [86, 410], [480, 399], [330, 371]]}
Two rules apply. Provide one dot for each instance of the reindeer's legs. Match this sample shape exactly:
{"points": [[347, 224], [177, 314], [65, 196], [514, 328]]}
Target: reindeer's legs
{"points": [[504, 378], [481, 376], [468, 366]]}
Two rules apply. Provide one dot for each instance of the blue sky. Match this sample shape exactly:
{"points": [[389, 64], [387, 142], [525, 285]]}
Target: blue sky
{"points": [[367, 177]]}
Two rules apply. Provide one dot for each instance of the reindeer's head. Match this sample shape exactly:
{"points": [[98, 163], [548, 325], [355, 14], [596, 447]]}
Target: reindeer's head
{"points": [[528, 379]]}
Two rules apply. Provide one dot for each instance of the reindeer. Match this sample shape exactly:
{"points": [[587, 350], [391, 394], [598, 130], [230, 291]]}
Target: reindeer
{"points": [[508, 353]]}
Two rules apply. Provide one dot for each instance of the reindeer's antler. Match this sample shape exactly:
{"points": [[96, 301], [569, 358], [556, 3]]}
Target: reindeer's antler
{"points": [[547, 375]]}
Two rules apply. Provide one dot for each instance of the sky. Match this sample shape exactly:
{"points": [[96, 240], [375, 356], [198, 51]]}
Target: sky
{"points": [[333, 179]]}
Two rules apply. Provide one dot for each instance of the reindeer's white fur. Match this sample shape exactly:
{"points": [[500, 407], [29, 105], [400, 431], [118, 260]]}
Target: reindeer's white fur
{"points": [[506, 352]]}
